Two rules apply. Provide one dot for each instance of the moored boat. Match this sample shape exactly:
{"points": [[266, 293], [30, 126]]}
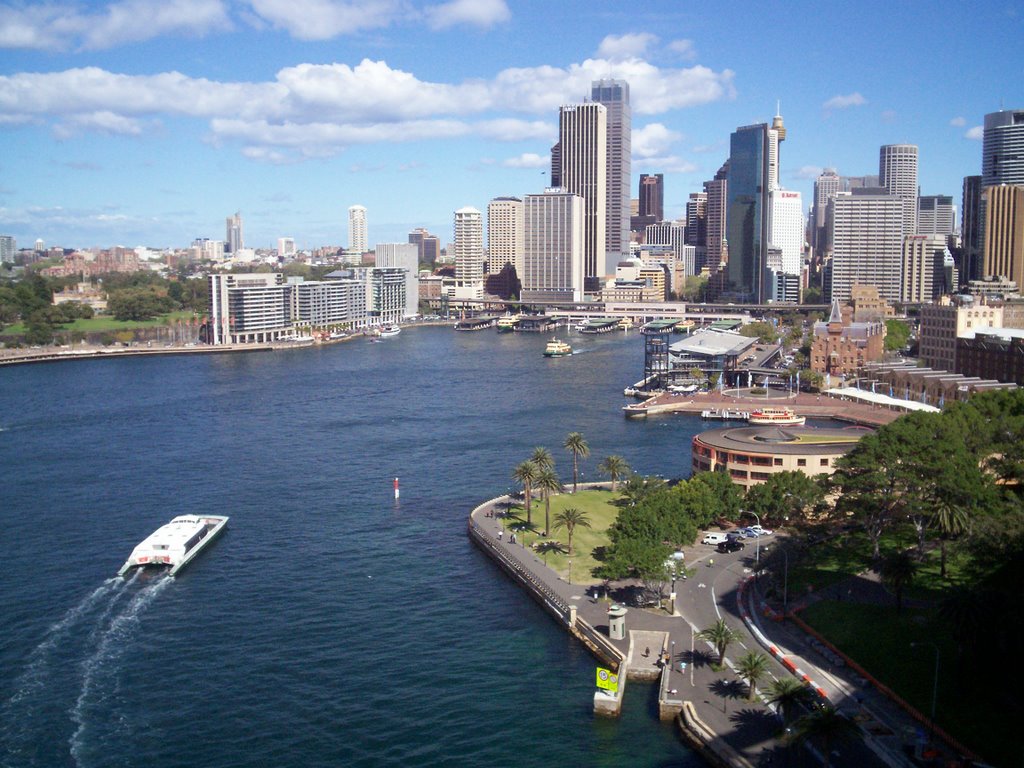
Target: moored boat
{"points": [[557, 348], [781, 417], [387, 331], [176, 543], [506, 324]]}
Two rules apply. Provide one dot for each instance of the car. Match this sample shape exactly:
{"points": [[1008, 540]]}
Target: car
{"points": [[759, 530], [732, 544]]}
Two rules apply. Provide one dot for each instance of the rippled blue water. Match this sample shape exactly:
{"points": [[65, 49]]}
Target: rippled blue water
{"points": [[330, 625]]}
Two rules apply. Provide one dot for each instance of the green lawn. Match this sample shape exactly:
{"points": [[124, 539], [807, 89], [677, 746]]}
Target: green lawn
{"points": [[969, 705], [598, 506], [104, 323]]}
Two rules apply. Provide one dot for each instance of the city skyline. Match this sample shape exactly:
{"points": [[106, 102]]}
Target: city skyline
{"points": [[124, 124]]}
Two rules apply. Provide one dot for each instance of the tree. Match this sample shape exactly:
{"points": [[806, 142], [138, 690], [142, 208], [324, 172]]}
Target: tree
{"points": [[729, 496], [784, 494], [827, 726], [633, 558], [897, 572], [614, 467], [752, 667], [542, 457], [547, 482], [897, 333], [570, 519], [577, 446], [721, 636], [789, 695], [526, 473], [950, 520], [762, 331]]}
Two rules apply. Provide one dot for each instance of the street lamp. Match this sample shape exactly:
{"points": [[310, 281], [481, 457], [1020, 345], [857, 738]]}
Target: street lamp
{"points": [[757, 539], [570, 571], [935, 683]]}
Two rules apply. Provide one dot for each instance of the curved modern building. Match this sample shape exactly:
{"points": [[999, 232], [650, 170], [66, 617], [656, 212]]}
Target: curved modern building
{"points": [[752, 454], [1002, 154]]}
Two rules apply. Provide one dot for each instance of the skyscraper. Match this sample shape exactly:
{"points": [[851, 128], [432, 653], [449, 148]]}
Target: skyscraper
{"points": [[553, 238], [897, 172], [652, 197], [776, 135], [786, 228], [1003, 251], [505, 234], [233, 240], [747, 214], [936, 215], [357, 236], [826, 186], [866, 231], [1002, 153], [468, 248], [717, 190], [583, 148], [614, 95], [971, 226], [428, 245], [404, 256]]}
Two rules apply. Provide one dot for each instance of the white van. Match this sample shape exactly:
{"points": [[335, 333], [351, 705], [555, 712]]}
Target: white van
{"points": [[713, 538]]}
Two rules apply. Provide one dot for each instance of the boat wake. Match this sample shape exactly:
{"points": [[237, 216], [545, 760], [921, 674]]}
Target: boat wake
{"points": [[73, 670]]}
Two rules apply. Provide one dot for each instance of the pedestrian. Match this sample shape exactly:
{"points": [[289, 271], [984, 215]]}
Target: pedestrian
{"points": [[711, 562], [647, 652], [499, 535]]}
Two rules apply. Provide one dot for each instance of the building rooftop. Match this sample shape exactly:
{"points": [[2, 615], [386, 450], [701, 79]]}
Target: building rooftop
{"points": [[710, 342]]}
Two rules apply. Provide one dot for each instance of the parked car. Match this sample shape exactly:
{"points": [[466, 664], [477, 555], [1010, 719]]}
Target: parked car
{"points": [[732, 544], [713, 538], [759, 530]]}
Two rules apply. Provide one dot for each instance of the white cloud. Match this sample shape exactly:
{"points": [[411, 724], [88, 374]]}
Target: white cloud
{"points": [[98, 122], [64, 26], [684, 49], [977, 133], [528, 160], [628, 46], [325, 19], [958, 122], [652, 140], [478, 13], [844, 102]]}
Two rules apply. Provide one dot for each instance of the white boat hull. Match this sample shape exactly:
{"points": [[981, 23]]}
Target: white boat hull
{"points": [[144, 556]]}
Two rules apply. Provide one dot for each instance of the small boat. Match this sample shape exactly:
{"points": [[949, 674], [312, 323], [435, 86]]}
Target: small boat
{"points": [[387, 331], [506, 324], [557, 348], [781, 417], [626, 323], [176, 543]]}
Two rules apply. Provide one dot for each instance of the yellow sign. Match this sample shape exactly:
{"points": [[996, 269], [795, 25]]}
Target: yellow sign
{"points": [[607, 679]]}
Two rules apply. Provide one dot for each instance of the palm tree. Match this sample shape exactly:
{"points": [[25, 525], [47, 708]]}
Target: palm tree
{"points": [[788, 694], [569, 519], [577, 446], [542, 458], [615, 467], [825, 724], [951, 521], [752, 668], [547, 482], [526, 474], [720, 635], [897, 572]]}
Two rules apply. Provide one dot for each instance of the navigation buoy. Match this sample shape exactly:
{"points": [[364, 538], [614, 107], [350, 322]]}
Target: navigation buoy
{"points": [[396, 488]]}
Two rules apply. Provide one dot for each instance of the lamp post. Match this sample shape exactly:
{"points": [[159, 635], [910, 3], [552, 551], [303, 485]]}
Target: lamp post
{"points": [[570, 571], [757, 539], [935, 684]]}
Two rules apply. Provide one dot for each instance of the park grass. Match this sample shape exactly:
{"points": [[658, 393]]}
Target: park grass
{"points": [[105, 324], [599, 507], [968, 706]]}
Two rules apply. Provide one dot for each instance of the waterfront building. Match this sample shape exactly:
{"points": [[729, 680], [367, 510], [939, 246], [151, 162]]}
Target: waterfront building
{"points": [[826, 187], [1003, 249], [951, 317], [614, 95], [504, 234], [383, 289], [334, 302], [936, 215], [234, 240], [866, 232], [840, 346], [358, 241], [285, 247], [751, 455], [897, 173], [582, 150], [747, 212], [468, 252], [248, 308], [553, 246], [404, 256], [971, 228], [924, 269], [711, 351], [1002, 148]]}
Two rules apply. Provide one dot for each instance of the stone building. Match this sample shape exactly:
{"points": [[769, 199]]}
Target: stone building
{"points": [[840, 346]]}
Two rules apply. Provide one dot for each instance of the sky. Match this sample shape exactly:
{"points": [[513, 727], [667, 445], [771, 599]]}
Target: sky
{"points": [[148, 122]]}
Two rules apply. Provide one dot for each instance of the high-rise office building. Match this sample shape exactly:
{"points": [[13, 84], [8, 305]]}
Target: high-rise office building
{"points": [[1003, 251], [553, 246], [717, 190], [747, 211], [583, 148], [936, 215], [404, 256], [866, 231], [428, 245], [897, 172], [1002, 153], [652, 197], [468, 251], [971, 228], [285, 246], [233, 240], [614, 95], [924, 262], [8, 247], [786, 228], [697, 219], [826, 186], [357, 234], [504, 234]]}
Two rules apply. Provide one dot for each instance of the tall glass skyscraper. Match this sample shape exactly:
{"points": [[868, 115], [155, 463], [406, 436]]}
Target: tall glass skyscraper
{"points": [[746, 213], [614, 95], [1002, 154]]}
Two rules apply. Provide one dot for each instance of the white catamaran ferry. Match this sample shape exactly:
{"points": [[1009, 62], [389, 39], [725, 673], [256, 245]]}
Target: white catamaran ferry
{"points": [[176, 543]]}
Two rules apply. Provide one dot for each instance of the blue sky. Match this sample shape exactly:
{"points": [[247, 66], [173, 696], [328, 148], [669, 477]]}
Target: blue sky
{"points": [[147, 122]]}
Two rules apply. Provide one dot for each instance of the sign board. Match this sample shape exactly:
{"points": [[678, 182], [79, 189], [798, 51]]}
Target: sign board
{"points": [[607, 679]]}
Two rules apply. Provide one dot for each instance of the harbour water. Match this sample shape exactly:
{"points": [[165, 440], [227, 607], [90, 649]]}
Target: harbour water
{"points": [[330, 625]]}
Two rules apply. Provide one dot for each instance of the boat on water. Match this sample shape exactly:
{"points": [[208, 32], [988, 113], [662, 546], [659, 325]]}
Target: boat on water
{"points": [[780, 417], [626, 323], [506, 324], [557, 348], [387, 331], [175, 544]]}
